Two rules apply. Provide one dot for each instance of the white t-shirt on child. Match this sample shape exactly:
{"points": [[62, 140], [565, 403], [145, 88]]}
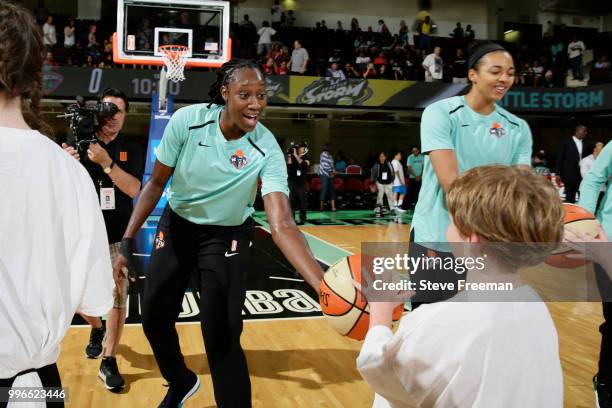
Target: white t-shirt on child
{"points": [[399, 173], [467, 354]]}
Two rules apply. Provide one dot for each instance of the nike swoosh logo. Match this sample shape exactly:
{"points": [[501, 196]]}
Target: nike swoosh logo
{"points": [[203, 145], [464, 125], [227, 255]]}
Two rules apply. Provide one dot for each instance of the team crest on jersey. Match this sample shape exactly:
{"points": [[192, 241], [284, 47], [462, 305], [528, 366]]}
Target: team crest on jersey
{"points": [[159, 241], [238, 159], [497, 130]]}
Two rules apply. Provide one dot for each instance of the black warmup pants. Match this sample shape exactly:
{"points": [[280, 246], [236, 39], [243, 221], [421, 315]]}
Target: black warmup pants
{"points": [[298, 197], [414, 187], [605, 354], [220, 255], [571, 188], [49, 377]]}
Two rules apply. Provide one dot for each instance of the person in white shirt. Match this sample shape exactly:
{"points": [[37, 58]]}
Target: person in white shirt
{"points": [[335, 72], [587, 162], [276, 10], [574, 51], [54, 258], [433, 66], [481, 348], [399, 182], [69, 34], [50, 36], [264, 45]]}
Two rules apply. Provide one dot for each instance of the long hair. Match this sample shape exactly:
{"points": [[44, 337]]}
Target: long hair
{"points": [[225, 75], [22, 54]]}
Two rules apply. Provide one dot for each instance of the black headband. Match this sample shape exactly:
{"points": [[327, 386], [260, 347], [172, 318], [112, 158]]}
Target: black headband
{"points": [[481, 52]]}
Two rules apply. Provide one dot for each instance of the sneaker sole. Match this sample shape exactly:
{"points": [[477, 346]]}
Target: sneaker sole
{"points": [[103, 378], [192, 391]]}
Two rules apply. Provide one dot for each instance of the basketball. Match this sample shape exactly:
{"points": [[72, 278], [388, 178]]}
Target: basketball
{"points": [[344, 308], [580, 219]]}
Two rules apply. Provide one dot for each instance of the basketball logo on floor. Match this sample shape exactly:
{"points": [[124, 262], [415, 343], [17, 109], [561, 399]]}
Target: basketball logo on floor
{"points": [[159, 241], [238, 159], [497, 130]]}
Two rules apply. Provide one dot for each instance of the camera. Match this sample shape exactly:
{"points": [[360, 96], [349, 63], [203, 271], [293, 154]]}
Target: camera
{"points": [[84, 120], [294, 146]]}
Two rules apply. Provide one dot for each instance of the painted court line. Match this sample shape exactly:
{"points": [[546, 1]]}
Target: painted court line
{"points": [[287, 279]]}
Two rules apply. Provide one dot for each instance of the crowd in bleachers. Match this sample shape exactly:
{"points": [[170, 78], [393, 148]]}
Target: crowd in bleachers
{"points": [[396, 53]]}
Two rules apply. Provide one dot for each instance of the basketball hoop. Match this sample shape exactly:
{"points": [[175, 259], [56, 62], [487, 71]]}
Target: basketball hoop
{"points": [[175, 58]]}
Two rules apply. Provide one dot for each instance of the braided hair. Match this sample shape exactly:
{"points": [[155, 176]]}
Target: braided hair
{"points": [[21, 61], [227, 74]]}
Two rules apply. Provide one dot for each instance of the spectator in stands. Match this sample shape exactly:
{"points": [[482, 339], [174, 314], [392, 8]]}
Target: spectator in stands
{"points": [[571, 152], [396, 70], [281, 69], [339, 26], [290, 18], [381, 59], [264, 45], [404, 33], [269, 68], [457, 32], [355, 25], [362, 60], [370, 72], [538, 164], [601, 71], [425, 35], [144, 37], [49, 62], [549, 30], [433, 66], [470, 35], [89, 62], [299, 59], [459, 68], [549, 80], [335, 72], [282, 56], [410, 66], [41, 12], [92, 42], [537, 72], [69, 34], [382, 27], [574, 52], [384, 73], [415, 173], [335, 57], [276, 10], [340, 162], [350, 71], [587, 163], [50, 36], [382, 173], [326, 174], [556, 49], [323, 25], [283, 19], [247, 23]]}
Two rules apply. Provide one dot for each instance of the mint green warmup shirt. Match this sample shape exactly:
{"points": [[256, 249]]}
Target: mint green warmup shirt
{"points": [[215, 180], [477, 140], [591, 185]]}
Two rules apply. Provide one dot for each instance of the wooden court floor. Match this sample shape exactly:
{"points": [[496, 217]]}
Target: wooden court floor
{"points": [[300, 363]]}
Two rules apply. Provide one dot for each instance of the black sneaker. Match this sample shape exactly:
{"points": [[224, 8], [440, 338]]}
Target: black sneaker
{"points": [[96, 337], [109, 373], [603, 394], [178, 393]]}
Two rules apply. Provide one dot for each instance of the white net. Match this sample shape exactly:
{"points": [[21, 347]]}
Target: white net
{"points": [[175, 58]]}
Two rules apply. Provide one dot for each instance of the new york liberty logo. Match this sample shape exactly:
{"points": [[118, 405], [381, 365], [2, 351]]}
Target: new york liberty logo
{"points": [[238, 159], [497, 130]]}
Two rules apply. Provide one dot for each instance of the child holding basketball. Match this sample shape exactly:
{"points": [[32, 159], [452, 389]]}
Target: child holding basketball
{"points": [[464, 353]]}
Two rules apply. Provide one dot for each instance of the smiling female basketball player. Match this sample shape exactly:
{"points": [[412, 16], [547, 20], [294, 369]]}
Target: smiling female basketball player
{"points": [[463, 132], [215, 154]]}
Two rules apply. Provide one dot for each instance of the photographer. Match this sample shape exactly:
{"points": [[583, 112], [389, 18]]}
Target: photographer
{"points": [[297, 167], [115, 165]]}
